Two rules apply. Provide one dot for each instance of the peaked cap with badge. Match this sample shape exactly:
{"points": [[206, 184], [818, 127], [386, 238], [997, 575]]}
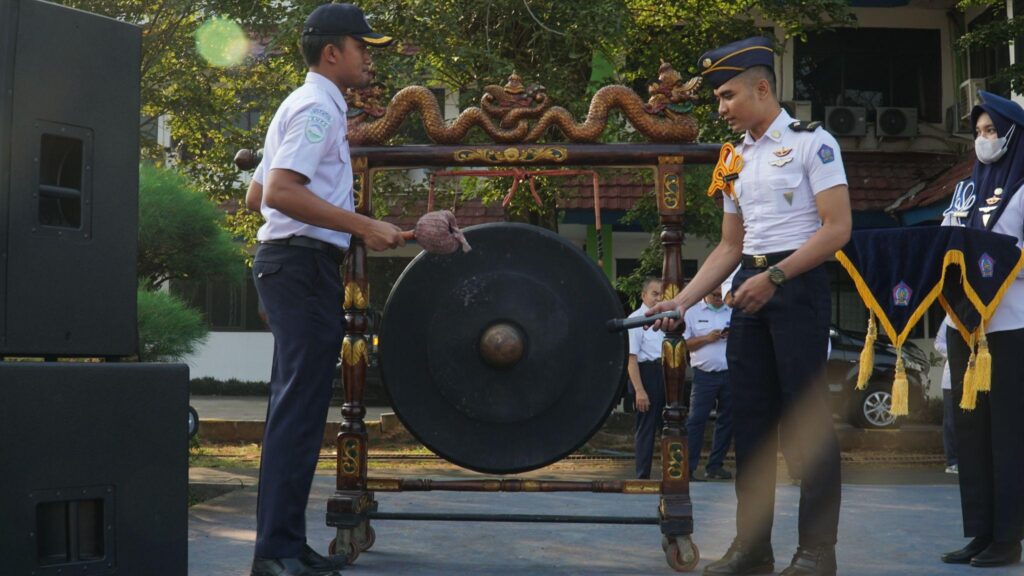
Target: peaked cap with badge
{"points": [[720, 65]]}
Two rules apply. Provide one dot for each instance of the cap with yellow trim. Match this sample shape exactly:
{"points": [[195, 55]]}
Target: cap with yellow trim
{"points": [[720, 65], [342, 20]]}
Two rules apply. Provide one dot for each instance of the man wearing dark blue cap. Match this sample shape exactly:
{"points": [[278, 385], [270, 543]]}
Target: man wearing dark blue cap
{"points": [[787, 211], [304, 189]]}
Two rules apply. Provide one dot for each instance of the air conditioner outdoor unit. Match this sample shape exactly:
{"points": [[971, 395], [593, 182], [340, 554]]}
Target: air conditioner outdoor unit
{"points": [[846, 120], [799, 109], [896, 122], [967, 97], [955, 122]]}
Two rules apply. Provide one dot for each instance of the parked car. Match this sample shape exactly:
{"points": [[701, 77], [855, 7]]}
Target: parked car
{"points": [[872, 407]]}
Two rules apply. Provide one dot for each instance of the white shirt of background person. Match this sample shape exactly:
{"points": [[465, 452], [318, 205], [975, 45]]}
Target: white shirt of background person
{"points": [[644, 345]]}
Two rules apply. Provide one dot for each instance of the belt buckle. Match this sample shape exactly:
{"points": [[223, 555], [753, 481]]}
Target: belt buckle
{"points": [[760, 261]]}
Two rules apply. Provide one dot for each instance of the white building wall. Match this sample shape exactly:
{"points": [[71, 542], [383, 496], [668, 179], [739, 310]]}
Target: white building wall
{"points": [[245, 356]]}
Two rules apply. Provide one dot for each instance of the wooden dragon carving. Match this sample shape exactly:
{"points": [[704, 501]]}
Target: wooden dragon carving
{"points": [[515, 113]]}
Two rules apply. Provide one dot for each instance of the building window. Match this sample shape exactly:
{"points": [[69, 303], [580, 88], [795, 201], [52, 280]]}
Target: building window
{"points": [[870, 67]]}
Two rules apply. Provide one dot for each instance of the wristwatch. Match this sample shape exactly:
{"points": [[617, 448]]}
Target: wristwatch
{"points": [[776, 275]]}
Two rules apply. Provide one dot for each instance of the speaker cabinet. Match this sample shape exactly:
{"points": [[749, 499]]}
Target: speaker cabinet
{"points": [[93, 469], [69, 156]]}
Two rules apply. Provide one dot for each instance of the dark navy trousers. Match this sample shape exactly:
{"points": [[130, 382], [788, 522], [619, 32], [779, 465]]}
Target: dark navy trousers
{"points": [[709, 388], [300, 288], [990, 440], [776, 362], [648, 423]]}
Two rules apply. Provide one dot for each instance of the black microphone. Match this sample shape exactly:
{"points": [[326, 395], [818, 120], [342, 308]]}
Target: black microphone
{"points": [[618, 324]]}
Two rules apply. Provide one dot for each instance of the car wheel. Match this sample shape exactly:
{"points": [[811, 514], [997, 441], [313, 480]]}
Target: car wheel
{"points": [[875, 410], [193, 422]]}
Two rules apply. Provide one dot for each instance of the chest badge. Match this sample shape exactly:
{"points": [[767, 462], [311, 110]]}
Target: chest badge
{"points": [[782, 152], [789, 197], [781, 162], [993, 200]]}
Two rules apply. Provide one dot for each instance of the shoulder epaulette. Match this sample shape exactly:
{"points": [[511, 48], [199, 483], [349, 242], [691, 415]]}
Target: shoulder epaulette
{"points": [[799, 126]]}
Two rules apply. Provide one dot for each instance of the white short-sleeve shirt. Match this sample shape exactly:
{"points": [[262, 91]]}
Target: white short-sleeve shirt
{"points": [[700, 321], [309, 135], [645, 344], [782, 172]]}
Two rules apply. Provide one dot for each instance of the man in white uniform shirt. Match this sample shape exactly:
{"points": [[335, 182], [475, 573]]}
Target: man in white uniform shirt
{"points": [[707, 327], [304, 188], [646, 380], [786, 214]]}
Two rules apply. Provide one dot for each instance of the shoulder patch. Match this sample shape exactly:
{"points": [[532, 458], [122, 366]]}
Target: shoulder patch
{"points": [[826, 154], [317, 122], [799, 126]]}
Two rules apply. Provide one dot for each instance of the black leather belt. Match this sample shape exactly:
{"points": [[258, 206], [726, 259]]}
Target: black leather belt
{"points": [[765, 260], [336, 254]]}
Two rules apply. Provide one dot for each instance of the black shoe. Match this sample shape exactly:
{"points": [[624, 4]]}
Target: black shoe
{"points": [[997, 554], [286, 567], [718, 474], [315, 561], [964, 555], [812, 561], [743, 558]]}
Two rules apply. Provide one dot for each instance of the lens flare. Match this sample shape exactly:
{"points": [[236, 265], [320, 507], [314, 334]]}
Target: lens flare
{"points": [[222, 43]]}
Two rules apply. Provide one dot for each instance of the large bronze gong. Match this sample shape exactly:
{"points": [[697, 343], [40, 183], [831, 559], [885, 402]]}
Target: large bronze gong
{"points": [[498, 359]]}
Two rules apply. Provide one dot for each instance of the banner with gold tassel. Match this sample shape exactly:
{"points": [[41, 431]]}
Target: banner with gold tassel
{"points": [[899, 273]]}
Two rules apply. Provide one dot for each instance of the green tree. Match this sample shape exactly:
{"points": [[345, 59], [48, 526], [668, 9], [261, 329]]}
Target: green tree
{"points": [[996, 34], [180, 236]]}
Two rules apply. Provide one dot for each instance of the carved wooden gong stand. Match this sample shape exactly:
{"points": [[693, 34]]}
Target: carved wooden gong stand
{"points": [[515, 116]]}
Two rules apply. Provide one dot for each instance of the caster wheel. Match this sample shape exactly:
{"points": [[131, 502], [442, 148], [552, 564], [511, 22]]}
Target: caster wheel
{"points": [[371, 537], [681, 553], [353, 552]]}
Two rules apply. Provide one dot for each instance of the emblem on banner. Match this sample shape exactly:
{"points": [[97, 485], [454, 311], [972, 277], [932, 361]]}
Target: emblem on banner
{"points": [[901, 294], [987, 265]]}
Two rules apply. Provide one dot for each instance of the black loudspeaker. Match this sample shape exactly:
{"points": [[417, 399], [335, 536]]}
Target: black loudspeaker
{"points": [[69, 171], [93, 469]]}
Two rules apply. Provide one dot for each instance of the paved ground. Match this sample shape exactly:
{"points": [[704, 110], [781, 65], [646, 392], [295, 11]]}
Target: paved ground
{"points": [[886, 529]]}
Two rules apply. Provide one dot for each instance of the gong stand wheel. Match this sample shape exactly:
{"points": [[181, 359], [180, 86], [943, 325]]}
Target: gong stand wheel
{"points": [[680, 552], [498, 359], [353, 549]]}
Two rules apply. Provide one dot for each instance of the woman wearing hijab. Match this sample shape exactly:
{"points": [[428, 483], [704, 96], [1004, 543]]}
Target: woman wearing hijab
{"points": [[990, 438]]}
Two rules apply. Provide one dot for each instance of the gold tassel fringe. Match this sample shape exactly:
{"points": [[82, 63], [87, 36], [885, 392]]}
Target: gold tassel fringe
{"points": [[970, 396], [867, 355], [983, 368], [900, 388]]}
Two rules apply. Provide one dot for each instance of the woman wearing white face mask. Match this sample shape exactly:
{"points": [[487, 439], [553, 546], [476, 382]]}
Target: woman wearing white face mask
{"points": [[990, 438]]}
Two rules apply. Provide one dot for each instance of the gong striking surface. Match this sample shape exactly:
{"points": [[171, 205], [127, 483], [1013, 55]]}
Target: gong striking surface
{"points": [[498, 359]]}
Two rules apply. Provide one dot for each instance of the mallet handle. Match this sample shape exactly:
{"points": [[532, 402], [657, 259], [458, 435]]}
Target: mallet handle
{"points": [[618, 324]]}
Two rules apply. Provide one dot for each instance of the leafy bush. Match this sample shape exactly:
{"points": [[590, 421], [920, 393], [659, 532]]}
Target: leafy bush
{"points": [[168, 328]]}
